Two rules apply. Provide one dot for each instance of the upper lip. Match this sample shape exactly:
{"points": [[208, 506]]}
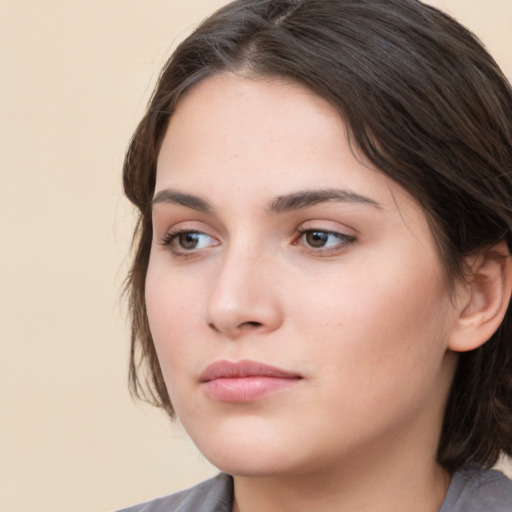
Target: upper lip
{"points": [[244, 368]]}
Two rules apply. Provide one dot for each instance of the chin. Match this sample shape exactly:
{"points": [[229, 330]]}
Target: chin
{"points": [[246, 451], [254, 464]]}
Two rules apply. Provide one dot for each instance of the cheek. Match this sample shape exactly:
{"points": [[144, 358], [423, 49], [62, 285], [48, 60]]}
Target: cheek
{"points": [[173, 315], [381, 317], [382, 351]]}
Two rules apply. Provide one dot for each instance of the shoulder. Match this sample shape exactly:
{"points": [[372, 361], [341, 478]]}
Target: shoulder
{"points": [[213, 495], [474, 490]]}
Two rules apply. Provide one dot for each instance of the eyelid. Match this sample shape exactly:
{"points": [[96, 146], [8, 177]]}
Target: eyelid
{"points": [[346, 240], [169, 239], [173, 233], [166, 225]]}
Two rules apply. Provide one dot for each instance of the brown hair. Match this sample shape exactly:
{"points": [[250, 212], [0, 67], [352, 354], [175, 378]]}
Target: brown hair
{"points": [[423, 101]]}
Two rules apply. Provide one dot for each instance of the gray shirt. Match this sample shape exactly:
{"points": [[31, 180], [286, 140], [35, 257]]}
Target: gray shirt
{"points": [[473, 490], [470, 491]]}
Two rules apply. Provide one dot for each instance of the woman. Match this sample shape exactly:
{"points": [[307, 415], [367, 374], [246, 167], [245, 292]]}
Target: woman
{"points": [[322, 273]]}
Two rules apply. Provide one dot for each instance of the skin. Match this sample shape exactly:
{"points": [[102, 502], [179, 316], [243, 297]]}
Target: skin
{"points": [[366, 320]]}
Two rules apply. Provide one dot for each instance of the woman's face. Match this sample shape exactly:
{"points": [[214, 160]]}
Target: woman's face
{"points": [[294, 294]]}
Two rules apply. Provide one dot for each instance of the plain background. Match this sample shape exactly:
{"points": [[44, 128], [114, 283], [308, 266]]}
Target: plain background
{"points": [[74, 79]]}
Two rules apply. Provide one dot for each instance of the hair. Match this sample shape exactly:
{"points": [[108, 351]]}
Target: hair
{"points": [[423, 101]]}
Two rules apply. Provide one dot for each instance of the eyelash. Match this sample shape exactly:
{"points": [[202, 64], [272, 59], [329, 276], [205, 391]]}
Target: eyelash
{"points": [[344, 241], [172, 238]]}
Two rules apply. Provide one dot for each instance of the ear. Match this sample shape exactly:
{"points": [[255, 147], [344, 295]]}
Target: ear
{"points": [[484, 298]]}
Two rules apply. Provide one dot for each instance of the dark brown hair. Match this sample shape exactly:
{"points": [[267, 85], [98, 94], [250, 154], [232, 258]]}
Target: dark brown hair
{"points": [[423, 101]]}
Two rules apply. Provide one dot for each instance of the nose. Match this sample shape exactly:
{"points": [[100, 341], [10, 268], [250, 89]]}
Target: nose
{"points": [[244, 298]]}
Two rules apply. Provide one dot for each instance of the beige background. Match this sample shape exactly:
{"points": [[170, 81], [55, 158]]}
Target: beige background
{"points": [[74, 78]]}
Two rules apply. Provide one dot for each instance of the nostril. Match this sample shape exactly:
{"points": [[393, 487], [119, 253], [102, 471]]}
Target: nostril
{"points": [[242, 326], [250, 324]]}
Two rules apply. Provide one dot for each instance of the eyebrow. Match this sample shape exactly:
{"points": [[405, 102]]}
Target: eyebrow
{"points": [[306, 199], [188, 200], [281, 204]]}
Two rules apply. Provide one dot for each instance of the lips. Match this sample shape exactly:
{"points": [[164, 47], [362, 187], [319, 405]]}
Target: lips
{"points": [[244, 381]]}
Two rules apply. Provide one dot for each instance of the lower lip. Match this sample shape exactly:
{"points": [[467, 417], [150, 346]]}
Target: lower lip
{"points": [[246, 389]]}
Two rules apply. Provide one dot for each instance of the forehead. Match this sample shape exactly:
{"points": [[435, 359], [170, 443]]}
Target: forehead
{"points": [[227, 119], [233, 114], [253, 139]]}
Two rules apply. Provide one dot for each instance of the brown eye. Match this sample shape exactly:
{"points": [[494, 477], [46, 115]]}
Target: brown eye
{"points": [[316, 239], [324, 240], [183, 242], [188, 241]]}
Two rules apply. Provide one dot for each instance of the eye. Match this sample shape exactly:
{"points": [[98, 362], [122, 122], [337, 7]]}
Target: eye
{"points": [[182, 241], [321, 239]]}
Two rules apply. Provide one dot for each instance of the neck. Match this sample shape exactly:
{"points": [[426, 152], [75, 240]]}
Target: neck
{"points": [[376, 482]]}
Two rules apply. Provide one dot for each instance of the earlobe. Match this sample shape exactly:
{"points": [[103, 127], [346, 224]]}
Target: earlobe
{"points": [[486, 297]]}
